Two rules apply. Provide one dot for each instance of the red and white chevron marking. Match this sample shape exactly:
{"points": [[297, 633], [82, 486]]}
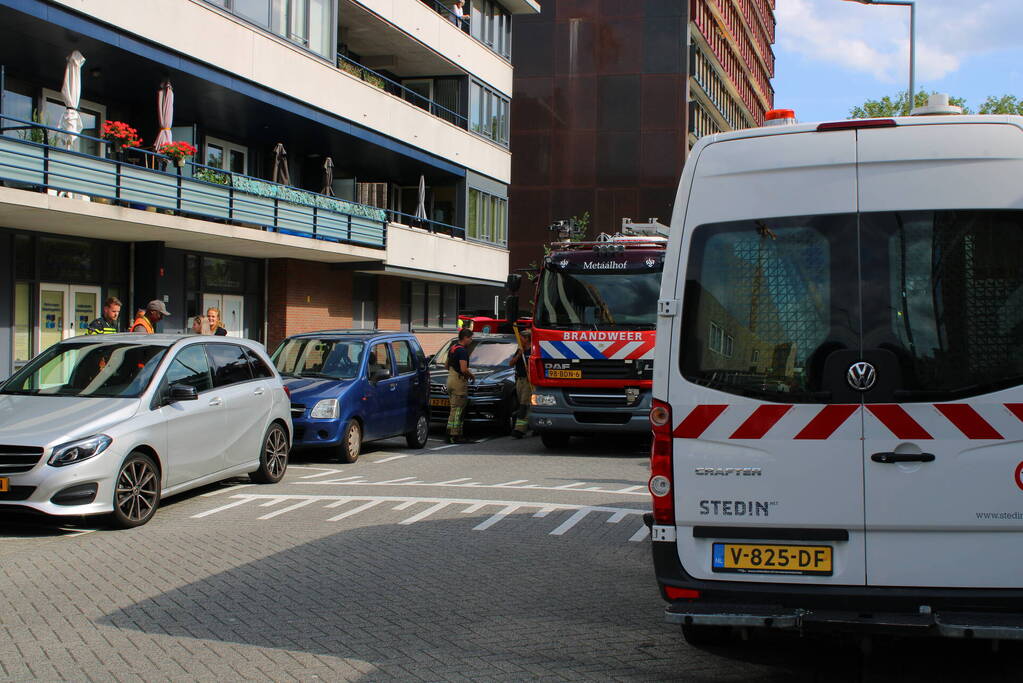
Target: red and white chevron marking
{"points": [[946, 420]]}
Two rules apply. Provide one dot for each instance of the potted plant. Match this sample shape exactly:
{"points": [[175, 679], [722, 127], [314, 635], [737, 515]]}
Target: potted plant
{"points": [[120, 135], [178, 151]]}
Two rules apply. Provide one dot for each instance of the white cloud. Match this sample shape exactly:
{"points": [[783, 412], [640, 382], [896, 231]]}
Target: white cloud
{"points": [[874, 40]]}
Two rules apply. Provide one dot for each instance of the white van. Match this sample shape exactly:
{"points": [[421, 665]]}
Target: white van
{"points": [[838, 383]]}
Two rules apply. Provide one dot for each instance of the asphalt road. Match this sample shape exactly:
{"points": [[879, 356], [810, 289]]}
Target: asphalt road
{"points": [[489, 561]]}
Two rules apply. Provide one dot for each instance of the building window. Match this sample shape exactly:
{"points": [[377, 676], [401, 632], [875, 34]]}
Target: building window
{"points": [[486, 217], [309, 23], [364, 302], [92, 115], [717, 338], [434, 305], [490, 24], [226, 155], [488, 113]]}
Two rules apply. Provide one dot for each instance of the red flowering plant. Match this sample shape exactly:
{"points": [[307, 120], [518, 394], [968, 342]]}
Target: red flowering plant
{"points": [[121, 134], [178, 151]]}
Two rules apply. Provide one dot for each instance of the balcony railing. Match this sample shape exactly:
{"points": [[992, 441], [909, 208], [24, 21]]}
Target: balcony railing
{"points": [[371, 77], [191, 189]]}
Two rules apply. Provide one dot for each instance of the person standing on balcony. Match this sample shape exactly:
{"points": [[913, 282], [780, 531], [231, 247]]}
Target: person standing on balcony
{"points": [[154, 313], [457, 14], [107, 323], [459, 376]]}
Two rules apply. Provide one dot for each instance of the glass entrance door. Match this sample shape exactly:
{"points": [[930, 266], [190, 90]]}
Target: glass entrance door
{"points": [[65, 311]]}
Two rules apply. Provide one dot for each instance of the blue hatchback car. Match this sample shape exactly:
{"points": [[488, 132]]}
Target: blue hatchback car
{"points": [[348, 387]]}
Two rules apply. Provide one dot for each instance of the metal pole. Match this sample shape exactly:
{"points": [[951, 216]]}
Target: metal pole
{"points": [[912, 55]]}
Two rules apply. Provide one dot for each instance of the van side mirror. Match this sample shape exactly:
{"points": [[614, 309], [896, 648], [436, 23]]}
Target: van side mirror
{"points": [[513, 282], [182, 392]]}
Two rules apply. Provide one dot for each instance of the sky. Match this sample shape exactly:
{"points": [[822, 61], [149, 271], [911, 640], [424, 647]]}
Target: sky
{"points": [[832, 55]]}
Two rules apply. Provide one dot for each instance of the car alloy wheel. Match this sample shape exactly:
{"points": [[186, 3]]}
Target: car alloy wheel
{"points": [[417, 438], [273, 459], [137, 491]]}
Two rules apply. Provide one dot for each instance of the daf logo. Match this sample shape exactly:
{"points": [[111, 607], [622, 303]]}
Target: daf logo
{"points": [[861, 376], [650, 263]]}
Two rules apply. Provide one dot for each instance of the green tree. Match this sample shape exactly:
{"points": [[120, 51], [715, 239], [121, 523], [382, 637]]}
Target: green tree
{"points": [[1006, 104], [899, 106]]}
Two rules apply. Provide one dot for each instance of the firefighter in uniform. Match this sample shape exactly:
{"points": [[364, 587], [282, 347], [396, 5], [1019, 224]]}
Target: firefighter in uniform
{"points": [[107, 323], [459, 376], [523, 389]]}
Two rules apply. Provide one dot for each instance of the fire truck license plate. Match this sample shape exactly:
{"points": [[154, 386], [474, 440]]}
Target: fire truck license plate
{"points": [[758, 558], [5, 485], [565, 374], [440, 402]]}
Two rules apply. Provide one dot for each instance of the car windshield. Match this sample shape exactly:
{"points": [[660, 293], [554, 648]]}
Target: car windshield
{"points": [[102, 369], [482, 353], [327, 358]]}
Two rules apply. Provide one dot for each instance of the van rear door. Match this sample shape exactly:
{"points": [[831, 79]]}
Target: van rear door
{"points": [[768, 459], [942, 248]]}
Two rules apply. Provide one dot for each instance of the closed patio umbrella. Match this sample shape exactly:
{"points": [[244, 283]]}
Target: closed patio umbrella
{"points": [[328, 177], [280, 174], [164, 114], [71, 91], [421, 204]]}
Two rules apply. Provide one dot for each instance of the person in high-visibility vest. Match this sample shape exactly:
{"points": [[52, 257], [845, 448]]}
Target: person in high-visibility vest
{"points": [[106, 323], [154, 313]]}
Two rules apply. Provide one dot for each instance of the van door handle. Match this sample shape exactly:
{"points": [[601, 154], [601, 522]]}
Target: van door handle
{"points": [[890, 458], [394, 387], [258, 391], [216, 401]]}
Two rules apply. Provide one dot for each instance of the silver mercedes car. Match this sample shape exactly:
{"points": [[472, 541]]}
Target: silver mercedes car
{"points": [[110, 424]]}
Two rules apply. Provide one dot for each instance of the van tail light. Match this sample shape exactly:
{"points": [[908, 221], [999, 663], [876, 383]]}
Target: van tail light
{"points": [[681, 593], [854, 124], [661, 484]]}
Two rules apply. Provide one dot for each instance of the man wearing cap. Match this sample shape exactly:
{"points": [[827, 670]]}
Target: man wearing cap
{"points": [[154, 313]]}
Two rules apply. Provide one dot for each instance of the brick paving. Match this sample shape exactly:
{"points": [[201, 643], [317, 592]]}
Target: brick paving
{"points": [[231, 597]]}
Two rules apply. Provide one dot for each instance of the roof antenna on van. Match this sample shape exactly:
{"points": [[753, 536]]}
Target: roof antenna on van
{"points": [[937, 105]]}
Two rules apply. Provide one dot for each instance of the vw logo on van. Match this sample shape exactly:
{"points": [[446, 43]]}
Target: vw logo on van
{"points": [[861, 376]]}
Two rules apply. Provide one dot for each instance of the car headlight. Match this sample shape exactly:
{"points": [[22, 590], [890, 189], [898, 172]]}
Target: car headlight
{"points": [[77, 451], [327, 409], [543, 400]]}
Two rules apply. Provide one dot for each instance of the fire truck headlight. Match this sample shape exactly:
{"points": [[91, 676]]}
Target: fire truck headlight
{"points": [[543, 400]]}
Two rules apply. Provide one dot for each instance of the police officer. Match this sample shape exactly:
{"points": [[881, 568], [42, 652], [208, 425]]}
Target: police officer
{"points": [[459, 376], [523, 389], [107, 323]]}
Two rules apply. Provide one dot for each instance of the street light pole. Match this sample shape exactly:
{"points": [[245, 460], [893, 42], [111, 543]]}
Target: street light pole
{"points": [[912, 40]]}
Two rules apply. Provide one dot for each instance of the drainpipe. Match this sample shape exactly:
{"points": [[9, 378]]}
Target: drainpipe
{"points": [[266, 300], [131, 285]]}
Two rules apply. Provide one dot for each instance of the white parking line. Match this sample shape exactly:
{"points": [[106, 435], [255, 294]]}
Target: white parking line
{"points": [[425, 513], [299, 504], [465, 482], [395, 481], [226, 489], [507, 507], [222, 508], [483, 526], [512, 483], [570, 522], [569, 486], [630, 489], [393, 457], [452, 481], [321, 474], [354, 511]]}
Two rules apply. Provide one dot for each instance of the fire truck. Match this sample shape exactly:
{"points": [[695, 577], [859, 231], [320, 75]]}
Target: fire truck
{"points": [[594, 321]]}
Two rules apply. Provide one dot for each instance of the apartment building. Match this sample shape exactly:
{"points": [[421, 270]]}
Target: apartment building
{"points": [[351, 163], [610, 97]]}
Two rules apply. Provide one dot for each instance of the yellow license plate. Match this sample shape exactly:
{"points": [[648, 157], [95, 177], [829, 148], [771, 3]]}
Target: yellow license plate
{"points": [[565, 374], [5, 484], [440, 402], [762, 558]]}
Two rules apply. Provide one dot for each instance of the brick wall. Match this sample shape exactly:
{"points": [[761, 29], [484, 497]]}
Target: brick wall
{"points": [[304, 297], [388, 303]]}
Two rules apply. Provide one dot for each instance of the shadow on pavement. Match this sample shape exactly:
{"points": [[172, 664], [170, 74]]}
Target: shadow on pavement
{"points": [[436, 600]]}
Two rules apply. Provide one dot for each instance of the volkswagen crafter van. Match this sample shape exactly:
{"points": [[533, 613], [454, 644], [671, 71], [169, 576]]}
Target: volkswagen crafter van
{"points": [[838, 383]]}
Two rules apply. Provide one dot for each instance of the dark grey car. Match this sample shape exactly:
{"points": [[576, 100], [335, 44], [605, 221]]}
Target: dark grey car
{"points": [[492, 399]]}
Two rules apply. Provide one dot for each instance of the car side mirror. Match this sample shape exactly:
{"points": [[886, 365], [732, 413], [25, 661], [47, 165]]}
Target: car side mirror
{"points": [[429, 359], [182, 392], [377, 374]]}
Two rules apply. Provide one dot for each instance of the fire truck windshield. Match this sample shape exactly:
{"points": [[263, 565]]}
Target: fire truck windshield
{"points": [[574, 297]]}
